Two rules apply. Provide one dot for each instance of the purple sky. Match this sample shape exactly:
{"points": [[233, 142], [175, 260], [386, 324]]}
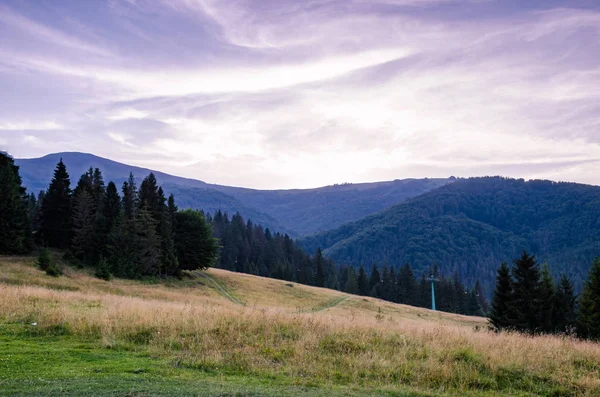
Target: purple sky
{"points": [[290, 93]]}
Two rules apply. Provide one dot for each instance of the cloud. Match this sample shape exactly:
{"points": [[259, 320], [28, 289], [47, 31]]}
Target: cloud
{"points": [[281, 94]]}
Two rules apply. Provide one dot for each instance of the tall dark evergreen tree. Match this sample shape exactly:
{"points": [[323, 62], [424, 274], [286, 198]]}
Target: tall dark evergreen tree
{"points": [[351, 282], [319, 269], [525, 306], [363, 282], [374, 281], [56, 209], [502, 300], [547, 301], [588, 320], [15, 225], [565, 315], [407, 288]]}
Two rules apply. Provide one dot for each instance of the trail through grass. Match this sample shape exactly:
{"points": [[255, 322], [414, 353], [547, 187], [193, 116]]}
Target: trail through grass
{"points": [[330, 303], [220, 287]]}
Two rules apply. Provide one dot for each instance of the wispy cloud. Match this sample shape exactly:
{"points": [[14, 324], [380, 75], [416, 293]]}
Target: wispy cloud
{"points": [[296, 94]]}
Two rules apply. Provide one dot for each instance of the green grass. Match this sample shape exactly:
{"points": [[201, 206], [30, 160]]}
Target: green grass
{"points": [[220, 288], [65, 365]]}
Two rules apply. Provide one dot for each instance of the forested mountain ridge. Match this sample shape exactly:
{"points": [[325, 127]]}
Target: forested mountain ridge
{"points": [[296, 212], [474, 224]]}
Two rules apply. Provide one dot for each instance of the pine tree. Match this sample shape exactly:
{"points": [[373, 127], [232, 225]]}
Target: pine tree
{"points": [[527, 299], [588, 320], [565, 316], [15, 225], [407, 288], [56, 209], [374, 282], [196, 246], [83, 226], [547, 300], [503, 295], [362, 282], [111, 207], [481, 298], [352, 282], [319, 269]]}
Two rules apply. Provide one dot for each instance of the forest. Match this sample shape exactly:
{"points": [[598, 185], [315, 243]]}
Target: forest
{"points": [[473, 225], [528, 299], [140, 233]]}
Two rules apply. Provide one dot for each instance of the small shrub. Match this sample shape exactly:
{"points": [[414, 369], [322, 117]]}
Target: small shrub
{"points": [[44, 259], [53, 271], [103, 270]]}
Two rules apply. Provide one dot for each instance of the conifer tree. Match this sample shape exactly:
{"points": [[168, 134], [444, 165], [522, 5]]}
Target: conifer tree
{"points": [[319, 269], [15, 226], [525, 305], [407, 288], [503, 295], [362, 282], [56, 209], [547, 300], [588, 320], [565, 316], [374, 281], [196, 246], [111, 207], [351, 282]]}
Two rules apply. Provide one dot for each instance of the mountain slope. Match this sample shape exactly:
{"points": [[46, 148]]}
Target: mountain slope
{"points": [[472, 225], [297, 212]]}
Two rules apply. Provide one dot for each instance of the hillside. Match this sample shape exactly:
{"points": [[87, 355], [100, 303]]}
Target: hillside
{"points": [[473, 225], [223, 333], [297, 212]]}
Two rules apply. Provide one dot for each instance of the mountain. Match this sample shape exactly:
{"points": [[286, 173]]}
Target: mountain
{"points": [[472, 225], [296, 212]]}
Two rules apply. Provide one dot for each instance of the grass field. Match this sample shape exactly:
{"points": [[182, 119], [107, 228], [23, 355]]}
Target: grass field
{"points": [[228, 334]]}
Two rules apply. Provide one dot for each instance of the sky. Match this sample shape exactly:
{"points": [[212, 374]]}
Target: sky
{"points": [[276, 94]]}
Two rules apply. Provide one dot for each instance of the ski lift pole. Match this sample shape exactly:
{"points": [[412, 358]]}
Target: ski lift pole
{"points": [[432, 293]]}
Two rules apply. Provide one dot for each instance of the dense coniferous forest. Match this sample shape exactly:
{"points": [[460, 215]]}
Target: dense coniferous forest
{"points": [[529, 299], [248, 248], [140, 233], [472, 225]]}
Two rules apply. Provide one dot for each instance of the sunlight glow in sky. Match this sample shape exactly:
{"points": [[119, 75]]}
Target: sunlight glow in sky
{"points": [[294, 94]]}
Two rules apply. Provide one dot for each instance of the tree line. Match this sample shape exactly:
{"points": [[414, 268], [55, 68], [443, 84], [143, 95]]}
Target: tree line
{"points": [[249, 248], [139, 232], [528, 299], [136, 234]]}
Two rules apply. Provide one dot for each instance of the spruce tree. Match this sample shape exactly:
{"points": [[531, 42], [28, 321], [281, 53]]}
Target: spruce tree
{"points": [[56, 209], [527, 300], [588, 320], [319, 269], [362, 282], [374, 281], [111, 207], [565, 316], [407, 288], [15, 225], [351, 282], [547, 300], [196, 246], [503, 295]]}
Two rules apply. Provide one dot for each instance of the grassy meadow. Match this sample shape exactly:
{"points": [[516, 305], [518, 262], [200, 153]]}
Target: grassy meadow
{"points": [[228, 334]]}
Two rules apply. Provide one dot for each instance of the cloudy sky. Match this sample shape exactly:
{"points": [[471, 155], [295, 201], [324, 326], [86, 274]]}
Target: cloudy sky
{"points": [[289, 93]]}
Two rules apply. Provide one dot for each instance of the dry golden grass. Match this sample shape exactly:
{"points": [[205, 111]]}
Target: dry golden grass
{"points": [[360, 341]]}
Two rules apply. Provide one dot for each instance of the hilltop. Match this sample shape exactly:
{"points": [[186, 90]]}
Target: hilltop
{"points": [[472, 225], [297, 212], [223, 333]]}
